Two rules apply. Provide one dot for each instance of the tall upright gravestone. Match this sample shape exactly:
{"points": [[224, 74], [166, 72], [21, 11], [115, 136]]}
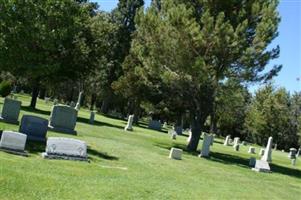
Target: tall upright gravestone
{"points": [[10, 111], [129, 126], [227, 142], [206, 145], [267, 156], [34, 127], [63, 119]]}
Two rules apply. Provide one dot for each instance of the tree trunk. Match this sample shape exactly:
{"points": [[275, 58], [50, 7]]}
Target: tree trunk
{"points": [[136, 114], [35, 93], [196, 128], [179, 124], [105, 105], [213, 121], [93, 100]]}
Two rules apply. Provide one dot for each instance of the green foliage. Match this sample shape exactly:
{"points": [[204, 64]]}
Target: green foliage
{"points": [[273, 112], [5, 88]]}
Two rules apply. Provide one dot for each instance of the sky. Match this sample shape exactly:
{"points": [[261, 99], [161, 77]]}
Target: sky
{"points": [[289, 40]]}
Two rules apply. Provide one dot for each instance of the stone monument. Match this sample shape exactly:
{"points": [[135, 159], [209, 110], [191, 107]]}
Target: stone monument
{"points": [[10, 111], [176, 153], [226, 143], [34, 127], [13, 142], [267, 156], [129, 125], [206, 145]]}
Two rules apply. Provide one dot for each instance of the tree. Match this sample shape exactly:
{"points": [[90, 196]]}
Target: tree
{"points": [[200, 44], [44, 40]]}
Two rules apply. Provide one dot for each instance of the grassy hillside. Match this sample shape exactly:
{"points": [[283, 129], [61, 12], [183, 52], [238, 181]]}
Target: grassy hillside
{"points": [[135, 165]]}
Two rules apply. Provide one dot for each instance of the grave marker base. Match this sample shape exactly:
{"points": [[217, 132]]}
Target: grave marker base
{"points": [[64, 157], [15, 152]]}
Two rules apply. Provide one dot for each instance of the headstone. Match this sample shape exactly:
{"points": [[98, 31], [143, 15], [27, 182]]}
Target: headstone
{"points": [[178, 130], [72, 104], [251, 150], [77, 107], [236, 147], [165, 125], [262, 166], [175, 153], [174, 135], [294, 162], [236, 141], [13, 142], [261, 152], [55, 102], [92, 117], [206, 145], [275, 147], [47, 100], [155, 125], [63, 119], [65, 148], [189, 137], [230, 141], [292, 154], [267, 156], [298, 153], [10, 111], [252, 162], [34, 127], [226, 143], [129, 125]]}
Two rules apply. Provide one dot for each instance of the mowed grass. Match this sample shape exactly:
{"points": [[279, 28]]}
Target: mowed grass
{"points": [[135, 165]]}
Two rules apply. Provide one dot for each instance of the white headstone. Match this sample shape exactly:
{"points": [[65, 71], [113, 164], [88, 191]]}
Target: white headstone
{"points": [[261, 152], [189, 137], [251, 150], [294, 161], [236, 141], [226, 143], [236, 147], [65, 148], [292, 154], [47, 100], [267, 156], [262, 166], [13, 141], [206, 145], [129, 125], [174, 135], [298, 153], [77, 107], [176, 153]]}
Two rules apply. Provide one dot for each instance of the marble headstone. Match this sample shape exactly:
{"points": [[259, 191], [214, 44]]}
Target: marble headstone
{"points": [[10, 111], [226, 143], [92, 117], [206, 145], [175, 153], [155, 125], [13, 142], [189, 137], [34, 127], [267, 156], [65, 148], [236, 147], [236, 141], [129, 125], [63, 119], [251, 150], [292, 154], [262, 166], [77, 107], [261, 152]]}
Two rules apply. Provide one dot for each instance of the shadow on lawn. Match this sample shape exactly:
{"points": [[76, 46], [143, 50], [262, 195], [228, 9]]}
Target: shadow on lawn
{"points": [[175, 145], [285, 171], [100, 155], [229, 159], [38, 111], [35, 147]]}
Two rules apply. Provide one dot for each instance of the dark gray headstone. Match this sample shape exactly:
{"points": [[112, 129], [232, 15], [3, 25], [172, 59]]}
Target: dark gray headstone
{"points": [[155, 125], [63, 119], [10, 111], [34, 127]]}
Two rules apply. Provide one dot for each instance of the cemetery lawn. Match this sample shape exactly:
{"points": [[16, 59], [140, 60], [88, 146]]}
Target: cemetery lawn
{"points": [[135, 165]]}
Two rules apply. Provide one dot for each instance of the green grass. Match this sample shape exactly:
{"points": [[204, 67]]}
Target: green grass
{"points": [[135, 165]]}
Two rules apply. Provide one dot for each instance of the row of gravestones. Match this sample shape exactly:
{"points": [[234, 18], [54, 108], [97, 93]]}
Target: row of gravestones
{"points": [[33, 128]]}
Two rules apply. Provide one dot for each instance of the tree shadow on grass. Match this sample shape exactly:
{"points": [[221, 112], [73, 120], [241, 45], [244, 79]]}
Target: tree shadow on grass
{"points": [[98, 123], [285, 171], [35, 147], [38, 111], [100, 155], [229, 159], [175, 145]]}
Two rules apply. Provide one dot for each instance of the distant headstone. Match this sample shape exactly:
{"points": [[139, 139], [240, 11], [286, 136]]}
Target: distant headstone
{"points": [[34, 127], [129, 125], [77, 107], [206, 145], [212, 139], [189, 137], [10, 111], [292, 154], [55, 102], [92, 117], [261, 152], [298, 153], [63, 119], [294, 161], [13, 142], [65, 148], [72, 104], [236, 147], [236, 141], [251, 150], [275, 147], [252, 162], [178, 130], [165, 125], [230, 141], [176, 153], [227, 142], [262, 166], [47, 99], [155, 125], [267, 156], [174, 135]]}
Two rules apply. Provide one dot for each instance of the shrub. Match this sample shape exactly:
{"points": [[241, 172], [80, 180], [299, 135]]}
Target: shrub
{"points": [[5, 88]]}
